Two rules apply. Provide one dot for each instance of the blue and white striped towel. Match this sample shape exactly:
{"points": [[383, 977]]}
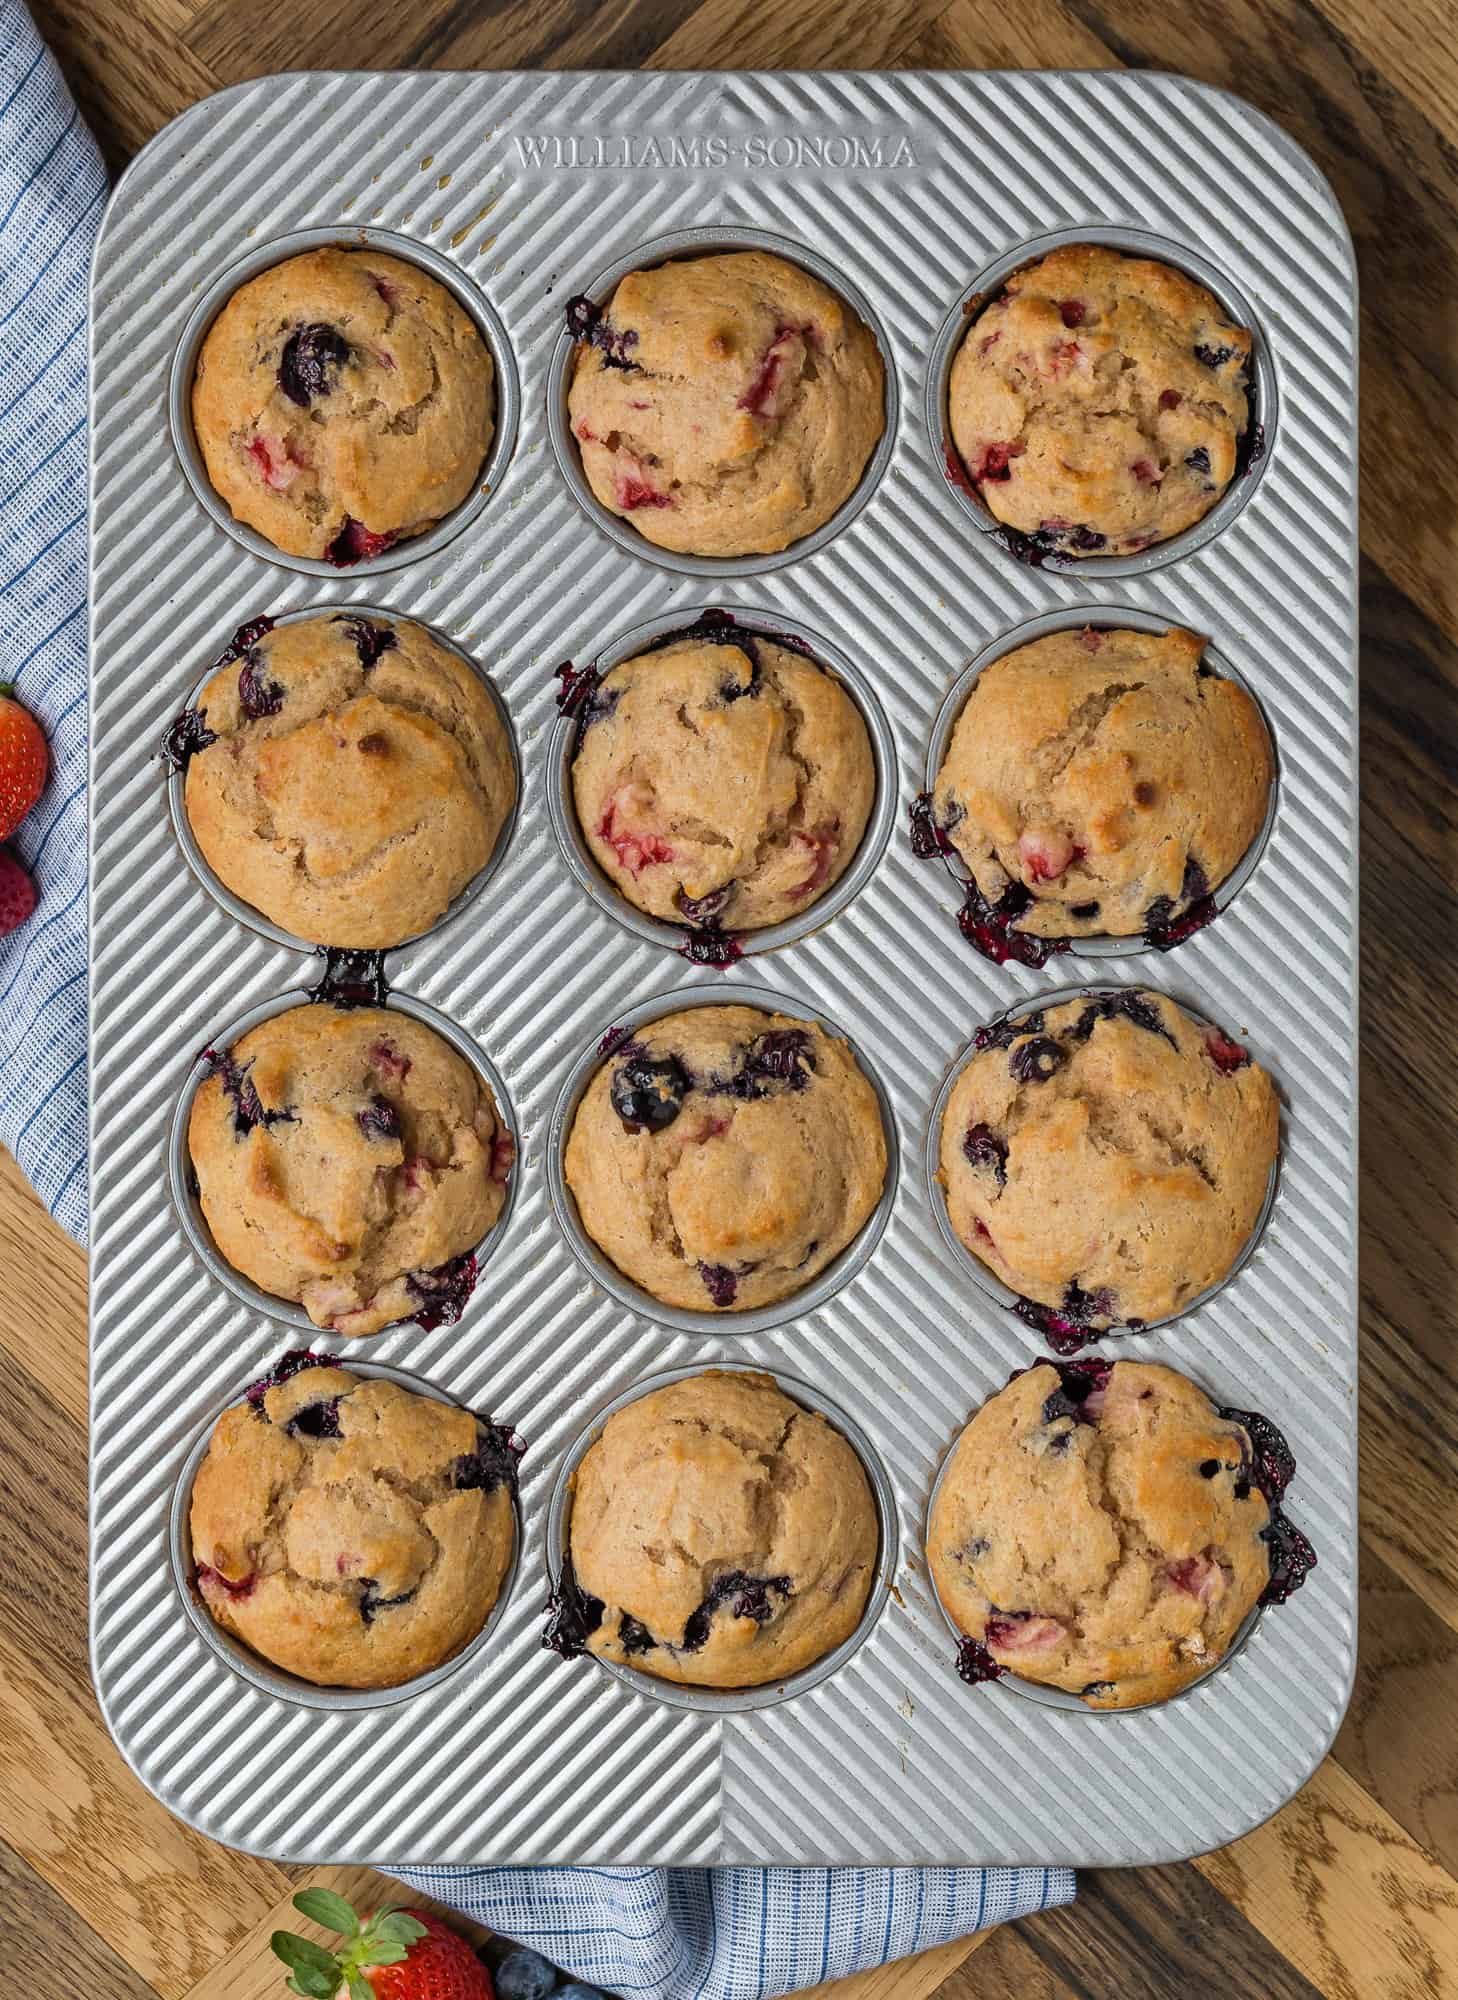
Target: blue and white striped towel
{"points": [[680, 1934]]}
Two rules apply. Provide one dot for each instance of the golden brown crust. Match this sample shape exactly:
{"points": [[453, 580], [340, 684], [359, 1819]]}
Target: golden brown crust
{"points": [[1082, 1542], [1133, 1164], [722, 1477], [752, 404]]}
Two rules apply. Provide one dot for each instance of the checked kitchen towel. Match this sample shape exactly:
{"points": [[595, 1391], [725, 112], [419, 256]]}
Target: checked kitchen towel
{"points": [[681, 1934]]}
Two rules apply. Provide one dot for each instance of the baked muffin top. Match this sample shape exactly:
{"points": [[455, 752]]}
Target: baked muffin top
{"points": [[350, 1160], [342, 399], [1110, 775], [354, 777], [725, 405], [721, 1535], [351, 1532], [1107, 1159], [1098, 400], [722, 780], [723, 1156], [1105, 1529]]}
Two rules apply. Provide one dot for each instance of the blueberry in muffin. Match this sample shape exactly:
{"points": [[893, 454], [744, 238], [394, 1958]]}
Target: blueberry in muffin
{"points": [[721, 1536], [1106, 782], [349, 1531], [724, 405], [722, 780], [352, 1161], [1104, 1528], [1098, 402], [721, 1157], [1107, 1159], [342, 400], [354, 777]]}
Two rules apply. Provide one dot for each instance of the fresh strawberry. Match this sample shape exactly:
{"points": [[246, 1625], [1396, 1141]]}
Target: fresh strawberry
{"points": [[17, 893], [23, 761], [396, 1955]]}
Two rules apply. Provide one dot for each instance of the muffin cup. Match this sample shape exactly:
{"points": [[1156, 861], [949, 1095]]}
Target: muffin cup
{"points": [[736, 1701], [253, 919], [984, 1279], [599, 1266], [767, 625], [506, 388], [1040, 1691], [1252, 452], [189, 1206], [704, 242], [251, 1666], [1111, 618]]}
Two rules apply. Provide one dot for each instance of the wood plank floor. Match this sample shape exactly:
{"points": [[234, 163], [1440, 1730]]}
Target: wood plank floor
{"points": [[1352, 1891]]}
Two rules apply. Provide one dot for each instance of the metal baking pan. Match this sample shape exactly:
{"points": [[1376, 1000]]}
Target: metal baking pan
{"points": [[909, 190]]}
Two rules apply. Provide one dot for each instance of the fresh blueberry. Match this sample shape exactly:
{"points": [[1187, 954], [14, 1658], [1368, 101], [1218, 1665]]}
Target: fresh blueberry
{"points": [[524, 1975], [575, 1990]]}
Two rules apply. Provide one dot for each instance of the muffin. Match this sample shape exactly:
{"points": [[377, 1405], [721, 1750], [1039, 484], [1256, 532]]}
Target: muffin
{"points": [[351, 1161], [348, 1531], [1107, 1159], [353, 777], [342, 400], [1098, 401], [1108, 779], [721, 1536], [726, 406], [723, 1156], [1105, 1529], [722, 780]]}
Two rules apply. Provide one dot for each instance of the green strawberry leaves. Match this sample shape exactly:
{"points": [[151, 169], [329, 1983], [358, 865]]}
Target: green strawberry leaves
{"points": [[318, 1973], [323, 1907]]}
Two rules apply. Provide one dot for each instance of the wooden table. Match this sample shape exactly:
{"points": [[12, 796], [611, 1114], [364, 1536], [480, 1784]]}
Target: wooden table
{"points": [[1351, 1891]]}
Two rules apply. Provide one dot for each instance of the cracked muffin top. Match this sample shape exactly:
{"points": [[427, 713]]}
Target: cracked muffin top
{"points": [[722, 781], [1098, 400], [342, 400], [349, 1531], [721, 1536], [353, 777], [350, 1160], [723, 1156], [1107, 1159], [1105, 1529], [724, 405], [1110, 775]]}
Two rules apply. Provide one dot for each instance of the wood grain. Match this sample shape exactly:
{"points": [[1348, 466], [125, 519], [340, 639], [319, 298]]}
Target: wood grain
{"points": [[1348, 1893]]}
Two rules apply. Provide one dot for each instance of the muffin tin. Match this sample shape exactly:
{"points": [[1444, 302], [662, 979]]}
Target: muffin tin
{"points": [[932, 185]]}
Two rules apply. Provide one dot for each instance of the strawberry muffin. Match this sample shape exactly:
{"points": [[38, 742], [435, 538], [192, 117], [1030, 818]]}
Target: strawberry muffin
{"points": [[722, 780], [721, 1536], [1105, 1529], [1107, 1159], [725, 405], [1098, 400], [342, 400], [722, 1156], [348, 1531], [1106, 782], [352, 1161]]}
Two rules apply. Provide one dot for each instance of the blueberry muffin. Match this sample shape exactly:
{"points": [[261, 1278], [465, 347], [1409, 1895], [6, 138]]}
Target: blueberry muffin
{"points": [[342, 400], [1107, 779], [348, 1531], [723, 1156], [721, 1536], [350, 1160], [1105, 1529], [727, 405], [1107, 1159], [348, 777], [1098, 401], [722, 780]]}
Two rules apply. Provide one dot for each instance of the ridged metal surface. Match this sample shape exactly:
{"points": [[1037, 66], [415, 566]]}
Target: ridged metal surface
{"points": [[519, 1756]]}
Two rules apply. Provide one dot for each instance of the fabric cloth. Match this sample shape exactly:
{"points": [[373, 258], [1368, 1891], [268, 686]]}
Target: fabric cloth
{"points": [[678, 1934]]}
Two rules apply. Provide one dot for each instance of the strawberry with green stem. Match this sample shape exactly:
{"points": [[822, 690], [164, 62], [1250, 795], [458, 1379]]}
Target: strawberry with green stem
{"points": [[395, 1955]]}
